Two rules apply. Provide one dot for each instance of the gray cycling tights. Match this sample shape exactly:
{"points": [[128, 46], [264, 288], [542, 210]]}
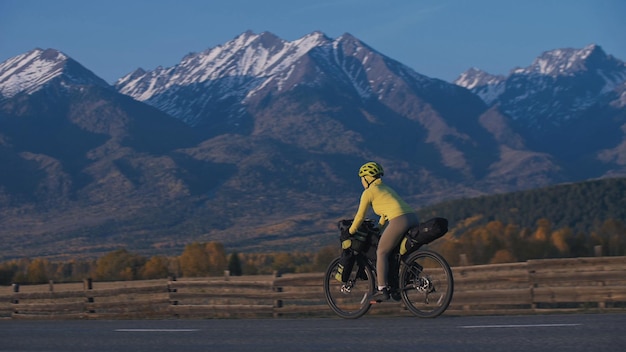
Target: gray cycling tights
{"points": [[391, 236]]}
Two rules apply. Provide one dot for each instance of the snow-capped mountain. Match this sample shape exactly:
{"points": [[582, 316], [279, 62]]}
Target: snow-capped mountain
{"points": [[559, 86], [260, 84], [570, 62], [222, 80], [31, 71], [276, 128], [247, 56], [489, 87], [224, 75]]}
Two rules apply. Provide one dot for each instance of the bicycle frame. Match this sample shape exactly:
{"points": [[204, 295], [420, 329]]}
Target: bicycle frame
{"points": [[422, 279]]}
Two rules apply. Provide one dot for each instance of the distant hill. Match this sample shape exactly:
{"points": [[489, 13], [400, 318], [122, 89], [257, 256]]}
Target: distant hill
{"points": [[582, 206]]}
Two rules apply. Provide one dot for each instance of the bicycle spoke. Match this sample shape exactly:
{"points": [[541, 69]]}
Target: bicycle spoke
{"points": [[427, 284], [349, 300]]}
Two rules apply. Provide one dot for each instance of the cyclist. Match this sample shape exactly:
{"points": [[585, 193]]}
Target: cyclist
{"points": [[396, 217]]}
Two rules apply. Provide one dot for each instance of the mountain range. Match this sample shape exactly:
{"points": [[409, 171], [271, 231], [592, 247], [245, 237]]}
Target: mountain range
{"points": [[255, 143]]}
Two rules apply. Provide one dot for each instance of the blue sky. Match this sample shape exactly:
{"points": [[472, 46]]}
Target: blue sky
{"points": [[437, 38]]}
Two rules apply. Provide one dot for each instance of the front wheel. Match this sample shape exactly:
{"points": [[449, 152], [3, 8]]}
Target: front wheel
{"points": [[427, 284], [350, 299]]}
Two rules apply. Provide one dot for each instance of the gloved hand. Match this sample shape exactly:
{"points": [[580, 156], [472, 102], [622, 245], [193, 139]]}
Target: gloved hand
{"points": [[360, 236], [344, 227]]}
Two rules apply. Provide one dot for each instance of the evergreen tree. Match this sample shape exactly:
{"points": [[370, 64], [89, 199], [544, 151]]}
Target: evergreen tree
{"points": [[7, 272], [234, 265]]}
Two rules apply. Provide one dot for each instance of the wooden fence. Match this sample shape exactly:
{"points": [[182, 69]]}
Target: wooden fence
{"points": [[595, 284]]}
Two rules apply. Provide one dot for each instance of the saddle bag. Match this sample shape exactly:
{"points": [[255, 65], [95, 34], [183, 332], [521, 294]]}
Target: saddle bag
{"points": [[424, 233]]}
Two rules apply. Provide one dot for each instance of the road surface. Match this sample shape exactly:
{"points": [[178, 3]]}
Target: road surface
{"points": [[571, 333]]}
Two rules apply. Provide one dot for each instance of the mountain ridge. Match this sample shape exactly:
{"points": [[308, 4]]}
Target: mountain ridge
{"points": [[266, 142], [587, 74], [31, 71]]}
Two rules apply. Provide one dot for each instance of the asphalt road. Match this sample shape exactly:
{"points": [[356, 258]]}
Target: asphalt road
{"points": [[575, 332]]}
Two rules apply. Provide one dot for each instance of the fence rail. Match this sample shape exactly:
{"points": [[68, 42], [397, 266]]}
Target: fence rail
{"points": [[589, 284]]}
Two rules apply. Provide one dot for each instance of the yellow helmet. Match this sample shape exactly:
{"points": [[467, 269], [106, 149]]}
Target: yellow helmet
{"points": [[371, 169]]}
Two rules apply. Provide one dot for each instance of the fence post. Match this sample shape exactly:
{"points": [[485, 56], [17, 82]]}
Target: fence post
{"points": [[532, 284], [597, 250], [278, 303], [463, 260], [51, 285], [15, 300], [87, 287], [171, 290]]}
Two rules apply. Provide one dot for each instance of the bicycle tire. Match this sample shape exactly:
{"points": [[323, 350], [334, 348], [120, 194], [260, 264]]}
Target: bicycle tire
{"points": [[354, 303], [428, 284]]}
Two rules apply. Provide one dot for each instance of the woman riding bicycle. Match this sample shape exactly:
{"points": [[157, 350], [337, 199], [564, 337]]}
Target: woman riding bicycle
{"points": [[396, 217]]}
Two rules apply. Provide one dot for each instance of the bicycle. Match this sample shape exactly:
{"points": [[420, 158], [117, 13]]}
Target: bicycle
{"points": [[420, 278]]}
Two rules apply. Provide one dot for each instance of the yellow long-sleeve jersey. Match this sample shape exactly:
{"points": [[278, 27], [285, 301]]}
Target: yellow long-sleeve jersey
{"points": [[383, 200]]}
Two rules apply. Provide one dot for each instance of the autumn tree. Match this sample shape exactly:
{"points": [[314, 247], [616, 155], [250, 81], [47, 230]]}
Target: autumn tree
{"points": [[36, 273], [194, 261], [249, 267], [119, 265], [155, 268], [611, 237], [200, 259], [451, 249], [560, 240], [323, 258], [284, 263], [544, 228], [217, 258], [502, 256], [21, 270]]}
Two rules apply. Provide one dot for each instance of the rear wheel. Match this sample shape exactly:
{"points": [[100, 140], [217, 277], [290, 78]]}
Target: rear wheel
{"points": [[427, 284], [349, 300]]}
